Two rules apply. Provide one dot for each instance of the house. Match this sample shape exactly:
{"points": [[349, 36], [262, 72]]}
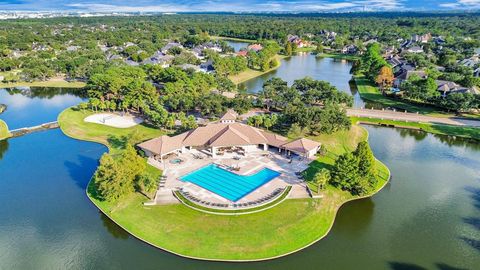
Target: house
{"points": [[395, 61], [470, 62], [476, 72], [229, 117], [73, 48], [159, 59], [350, 49], [406, 74], [448, 87], [415, 49], [130, 62], [422, 38], [298, 41], [207, 66], [255, 47], [171, 45], [227, 134], [242, 53], [190, 66]]}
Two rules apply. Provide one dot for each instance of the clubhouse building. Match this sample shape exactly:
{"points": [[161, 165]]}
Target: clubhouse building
{"points": [[227, 135]]}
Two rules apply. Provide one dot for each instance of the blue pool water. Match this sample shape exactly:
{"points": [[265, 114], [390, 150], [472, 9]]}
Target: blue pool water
{"points": [[227, 184]]}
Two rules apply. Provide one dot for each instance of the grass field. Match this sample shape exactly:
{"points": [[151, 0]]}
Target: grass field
{"points": [[250, 73], [71, 122], [64, 84], [234, 39], [458, 131], [287, 227], [4, 133], [339, 56]]}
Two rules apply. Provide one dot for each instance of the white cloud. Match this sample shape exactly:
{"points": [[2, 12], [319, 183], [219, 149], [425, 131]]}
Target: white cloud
{"points": [[462, 4]]}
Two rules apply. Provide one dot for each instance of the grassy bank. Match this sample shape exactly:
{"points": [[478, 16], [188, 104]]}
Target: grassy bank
{"points": [[63, 84], [337, 144], [369, 91], [4, 133], [285, 228], [458, 131], [251, 73], [234, 39], [71, 122], [339, 56]]}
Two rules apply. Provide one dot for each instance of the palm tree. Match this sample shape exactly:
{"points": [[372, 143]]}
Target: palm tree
{"points": [[321, 179]]}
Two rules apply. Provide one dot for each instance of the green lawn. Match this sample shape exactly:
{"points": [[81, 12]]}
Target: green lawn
{"points": [[63, 84], [339, 56], [285, 228], [251, 73], [234, 39], [71, 122], [233, 211], [458, 131], [337, 144], [4, 133]]}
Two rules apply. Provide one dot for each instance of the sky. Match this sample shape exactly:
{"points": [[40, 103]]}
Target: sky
{"points": [[236, 6]]}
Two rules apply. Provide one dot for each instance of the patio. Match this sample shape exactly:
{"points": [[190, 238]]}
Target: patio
{"points": [[193, 159]]}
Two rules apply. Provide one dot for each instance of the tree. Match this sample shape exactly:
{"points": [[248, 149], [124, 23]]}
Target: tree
{"points": [[110, 181], [288, 49], [321, 178], [345, 172], [146, 184], [385, 77], [319, 49], [366, 160], [83, 106]]}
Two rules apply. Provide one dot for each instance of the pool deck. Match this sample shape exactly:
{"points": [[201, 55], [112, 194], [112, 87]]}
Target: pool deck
{"points": [[253, 162]]}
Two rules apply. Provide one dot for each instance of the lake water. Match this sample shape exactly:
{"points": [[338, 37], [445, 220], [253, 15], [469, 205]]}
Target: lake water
{"points": [[427, 217], [44, 103], [301, 65], [237, 45]]}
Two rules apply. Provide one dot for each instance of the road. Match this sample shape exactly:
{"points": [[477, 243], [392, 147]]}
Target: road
{"points": [[412, 117]]}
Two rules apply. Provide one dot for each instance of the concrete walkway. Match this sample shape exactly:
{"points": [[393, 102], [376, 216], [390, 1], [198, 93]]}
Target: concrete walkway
{"points": [[411, 117]]}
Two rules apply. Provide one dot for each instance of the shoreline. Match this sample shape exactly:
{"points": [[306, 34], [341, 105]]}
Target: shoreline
{"points": [[250, 74], [47, 84], [331, 223], [468, 133]]}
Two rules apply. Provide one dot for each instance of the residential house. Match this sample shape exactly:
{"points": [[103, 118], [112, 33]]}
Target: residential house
{"points": [[298, 41], [255, 47], [350, 49], [405, 75], [242, 53], [159, 58], [207, 66], [415, 49], [448, 87], [130, 62], [395, 60], [470, 62], [171, 45]]}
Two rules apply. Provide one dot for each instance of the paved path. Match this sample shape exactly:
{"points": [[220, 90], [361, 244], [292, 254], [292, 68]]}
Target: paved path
{"points": [[411, 117]]}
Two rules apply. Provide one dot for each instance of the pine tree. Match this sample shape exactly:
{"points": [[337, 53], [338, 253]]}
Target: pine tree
{"points": [[366, 160], [345, 172]]}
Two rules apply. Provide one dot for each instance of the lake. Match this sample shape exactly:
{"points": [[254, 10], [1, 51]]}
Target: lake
{"points": [[44, 103], [237, 45], [427, 217], [301, 65]]}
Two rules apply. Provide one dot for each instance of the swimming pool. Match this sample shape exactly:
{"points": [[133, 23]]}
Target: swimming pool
{"points": [[228, 184]]}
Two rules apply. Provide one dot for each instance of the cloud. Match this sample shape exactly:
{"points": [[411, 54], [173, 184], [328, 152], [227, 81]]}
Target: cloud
{"points": [[234, 6], [462, 4]]}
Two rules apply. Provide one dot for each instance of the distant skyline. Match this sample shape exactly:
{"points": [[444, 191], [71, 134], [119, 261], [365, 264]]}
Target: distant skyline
{"points": [[237, 6]]}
